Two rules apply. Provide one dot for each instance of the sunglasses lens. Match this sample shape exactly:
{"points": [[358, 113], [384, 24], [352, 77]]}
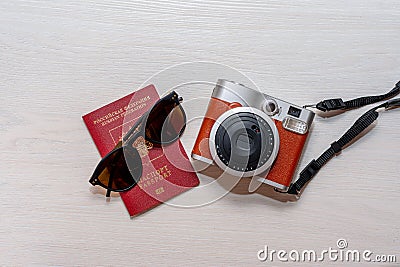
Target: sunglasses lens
{"points": [[166, 122], [120, 170]]}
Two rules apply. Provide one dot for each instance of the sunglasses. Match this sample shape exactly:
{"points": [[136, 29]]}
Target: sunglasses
{"points": [[121, 169]]}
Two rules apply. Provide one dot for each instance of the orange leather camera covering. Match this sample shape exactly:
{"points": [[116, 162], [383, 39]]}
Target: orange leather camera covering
{"points": [[290, 148], [216, 108]]}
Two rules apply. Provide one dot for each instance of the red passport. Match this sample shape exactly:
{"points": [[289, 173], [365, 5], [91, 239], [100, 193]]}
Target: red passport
{"points": [[167, 171]]}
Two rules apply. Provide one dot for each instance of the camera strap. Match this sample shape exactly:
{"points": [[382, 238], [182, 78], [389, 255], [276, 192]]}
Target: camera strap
{"points": [[339, 104], [351, 134]]}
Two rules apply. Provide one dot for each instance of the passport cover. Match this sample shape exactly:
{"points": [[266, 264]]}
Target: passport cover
{"points": [[167, 171]]}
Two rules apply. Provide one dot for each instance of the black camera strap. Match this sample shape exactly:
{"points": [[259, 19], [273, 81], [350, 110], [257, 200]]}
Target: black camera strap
{"points": [[351, 134], [339, 104]]}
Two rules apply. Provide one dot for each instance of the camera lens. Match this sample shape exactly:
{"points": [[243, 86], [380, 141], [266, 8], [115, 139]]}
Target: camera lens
{"points": [[244, 141]]}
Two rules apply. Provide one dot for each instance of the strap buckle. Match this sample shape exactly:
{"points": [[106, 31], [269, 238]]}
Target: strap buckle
{"points": [[331, 104]]}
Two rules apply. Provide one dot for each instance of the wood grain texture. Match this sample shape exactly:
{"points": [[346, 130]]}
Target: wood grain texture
{"points": [[62, 59]]}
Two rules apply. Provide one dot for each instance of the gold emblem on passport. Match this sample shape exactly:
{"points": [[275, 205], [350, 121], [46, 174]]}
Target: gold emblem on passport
{"points": [[160, 190], [143, 146]]}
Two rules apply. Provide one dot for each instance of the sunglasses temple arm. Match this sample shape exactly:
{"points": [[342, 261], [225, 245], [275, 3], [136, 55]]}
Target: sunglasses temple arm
{"points": [[110, 181]]}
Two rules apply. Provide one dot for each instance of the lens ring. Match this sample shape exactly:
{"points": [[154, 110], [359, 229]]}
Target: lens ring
{"points": [[244, 141], [215, 151]]}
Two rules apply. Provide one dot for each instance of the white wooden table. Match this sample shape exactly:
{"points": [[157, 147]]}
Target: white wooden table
{"points": [[62, 59]]}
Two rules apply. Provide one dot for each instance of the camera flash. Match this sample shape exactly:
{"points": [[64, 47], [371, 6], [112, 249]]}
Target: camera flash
{"points": [[294, 125]]}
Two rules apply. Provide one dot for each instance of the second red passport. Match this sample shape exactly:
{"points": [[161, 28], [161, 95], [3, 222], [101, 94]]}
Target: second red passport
{"points": [[167, 171]]}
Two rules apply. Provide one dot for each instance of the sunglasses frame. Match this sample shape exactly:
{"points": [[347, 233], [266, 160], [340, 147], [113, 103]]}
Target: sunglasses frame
{"points": [[136, 131]]}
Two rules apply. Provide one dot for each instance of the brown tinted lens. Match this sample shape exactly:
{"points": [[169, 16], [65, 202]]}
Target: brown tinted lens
{"points": [[115, 173], [166, 122]]}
